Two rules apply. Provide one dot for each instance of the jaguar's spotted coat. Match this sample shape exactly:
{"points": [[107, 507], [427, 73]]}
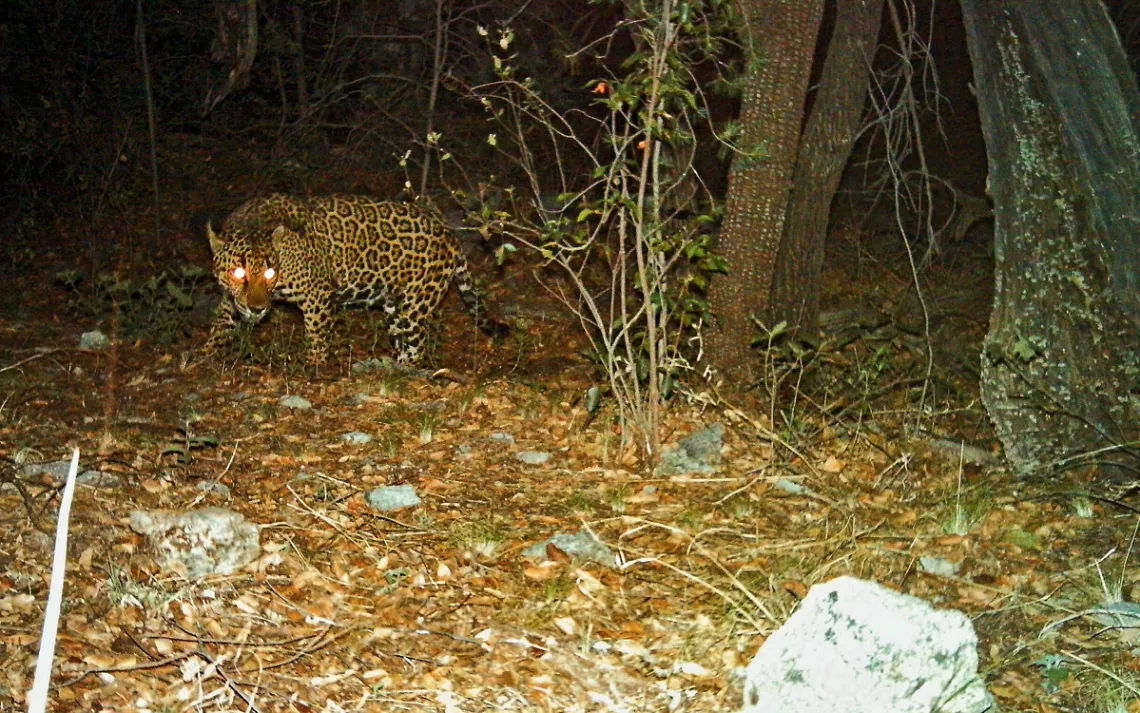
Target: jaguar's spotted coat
{"points": [[321, 252]]}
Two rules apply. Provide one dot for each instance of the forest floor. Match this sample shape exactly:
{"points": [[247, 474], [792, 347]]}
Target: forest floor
{"points": [[438, 607]]}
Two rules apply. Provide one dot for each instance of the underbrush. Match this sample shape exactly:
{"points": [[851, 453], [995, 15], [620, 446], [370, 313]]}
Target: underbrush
{"points": [[153, 308]]}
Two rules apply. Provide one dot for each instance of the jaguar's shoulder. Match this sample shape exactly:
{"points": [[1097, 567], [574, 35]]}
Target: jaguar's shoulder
{"points": [[262, 210], [327, 214]]}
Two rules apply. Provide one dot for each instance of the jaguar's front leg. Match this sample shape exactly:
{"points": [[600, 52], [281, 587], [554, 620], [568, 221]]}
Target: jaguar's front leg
{"points": [[317, 311], [408, 336], [224, 326]]}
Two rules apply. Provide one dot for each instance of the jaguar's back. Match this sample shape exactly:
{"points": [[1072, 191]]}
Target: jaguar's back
{"points": [[317, 252]]}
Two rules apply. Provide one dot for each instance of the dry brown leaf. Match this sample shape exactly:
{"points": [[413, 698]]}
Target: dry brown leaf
{"points": [[17, 603], [101, 660], [567, 625], [833, 465], [795, 587], [153, 486], [542, 572], [644, 497]]}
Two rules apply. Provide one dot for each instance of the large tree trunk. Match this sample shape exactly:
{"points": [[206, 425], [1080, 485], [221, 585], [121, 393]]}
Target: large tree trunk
{"points": [[824, 149], [1059, 108], [780, 38], [234, 48]]}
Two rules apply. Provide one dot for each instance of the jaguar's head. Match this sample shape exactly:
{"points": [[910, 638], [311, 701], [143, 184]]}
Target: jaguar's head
{"points": [[245, 266]]}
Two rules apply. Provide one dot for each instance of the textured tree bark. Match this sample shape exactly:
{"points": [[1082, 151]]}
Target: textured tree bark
{"points": [[235, 48], [781, 37], [1059, 107], [824, 149]]}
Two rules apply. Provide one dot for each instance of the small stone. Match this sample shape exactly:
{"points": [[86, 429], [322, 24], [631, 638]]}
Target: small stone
{"points": [[938, 566], [213, 486], [697, 453], [501, 437], [393, 497], [356, 437], [583, 545], [98, 479], [56, 470], [95, 341], [363, 367], [533, 457], [295, 402]]}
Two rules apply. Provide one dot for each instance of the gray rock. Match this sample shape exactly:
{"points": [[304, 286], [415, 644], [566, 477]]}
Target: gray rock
{"points": [[392, 497], [95, 341], [1121, 615], [938, 566], [858, 647], [583, 545], [955, 451], [199, 542], [298, 403], [213, 486], [99, 479], [533, 457], [501, 437], [363, 367], [57, 472], [356, 437], [697, 453]]}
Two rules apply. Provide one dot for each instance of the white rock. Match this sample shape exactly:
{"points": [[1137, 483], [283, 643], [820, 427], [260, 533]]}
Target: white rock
{"points": [[533, 457], [392, 497], [858, 647], [199, 542], [297, 403]]}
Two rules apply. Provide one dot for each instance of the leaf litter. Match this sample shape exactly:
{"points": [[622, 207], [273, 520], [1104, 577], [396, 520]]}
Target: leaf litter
{"points": [[447, 605]]}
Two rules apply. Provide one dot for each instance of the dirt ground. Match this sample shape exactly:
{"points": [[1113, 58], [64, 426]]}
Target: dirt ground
{"points": [[437, 607]]}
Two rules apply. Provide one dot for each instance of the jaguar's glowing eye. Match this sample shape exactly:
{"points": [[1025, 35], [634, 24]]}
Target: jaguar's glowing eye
{"points": [[270, 273], [239, 273]]}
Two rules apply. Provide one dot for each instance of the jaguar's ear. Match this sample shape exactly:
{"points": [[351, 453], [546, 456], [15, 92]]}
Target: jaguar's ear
{"points": [[216, 243], [278, 232]]}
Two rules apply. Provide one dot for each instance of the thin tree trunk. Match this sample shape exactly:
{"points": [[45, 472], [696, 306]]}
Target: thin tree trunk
{"points": [[438, 58], [151, 124], [824, 150], [1059, 106], [781, 36], [299, 57]]}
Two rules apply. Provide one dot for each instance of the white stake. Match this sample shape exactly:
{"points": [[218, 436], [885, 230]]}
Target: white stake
{"points": [[37, 697]]}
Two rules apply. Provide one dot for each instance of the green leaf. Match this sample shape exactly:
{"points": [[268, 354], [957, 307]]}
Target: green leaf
{"points": [[593, 398], [585, 213], [1024, 350], [182, 298]]}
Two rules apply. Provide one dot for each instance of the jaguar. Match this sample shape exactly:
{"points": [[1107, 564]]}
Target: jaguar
{"points": [[323, 252]]}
